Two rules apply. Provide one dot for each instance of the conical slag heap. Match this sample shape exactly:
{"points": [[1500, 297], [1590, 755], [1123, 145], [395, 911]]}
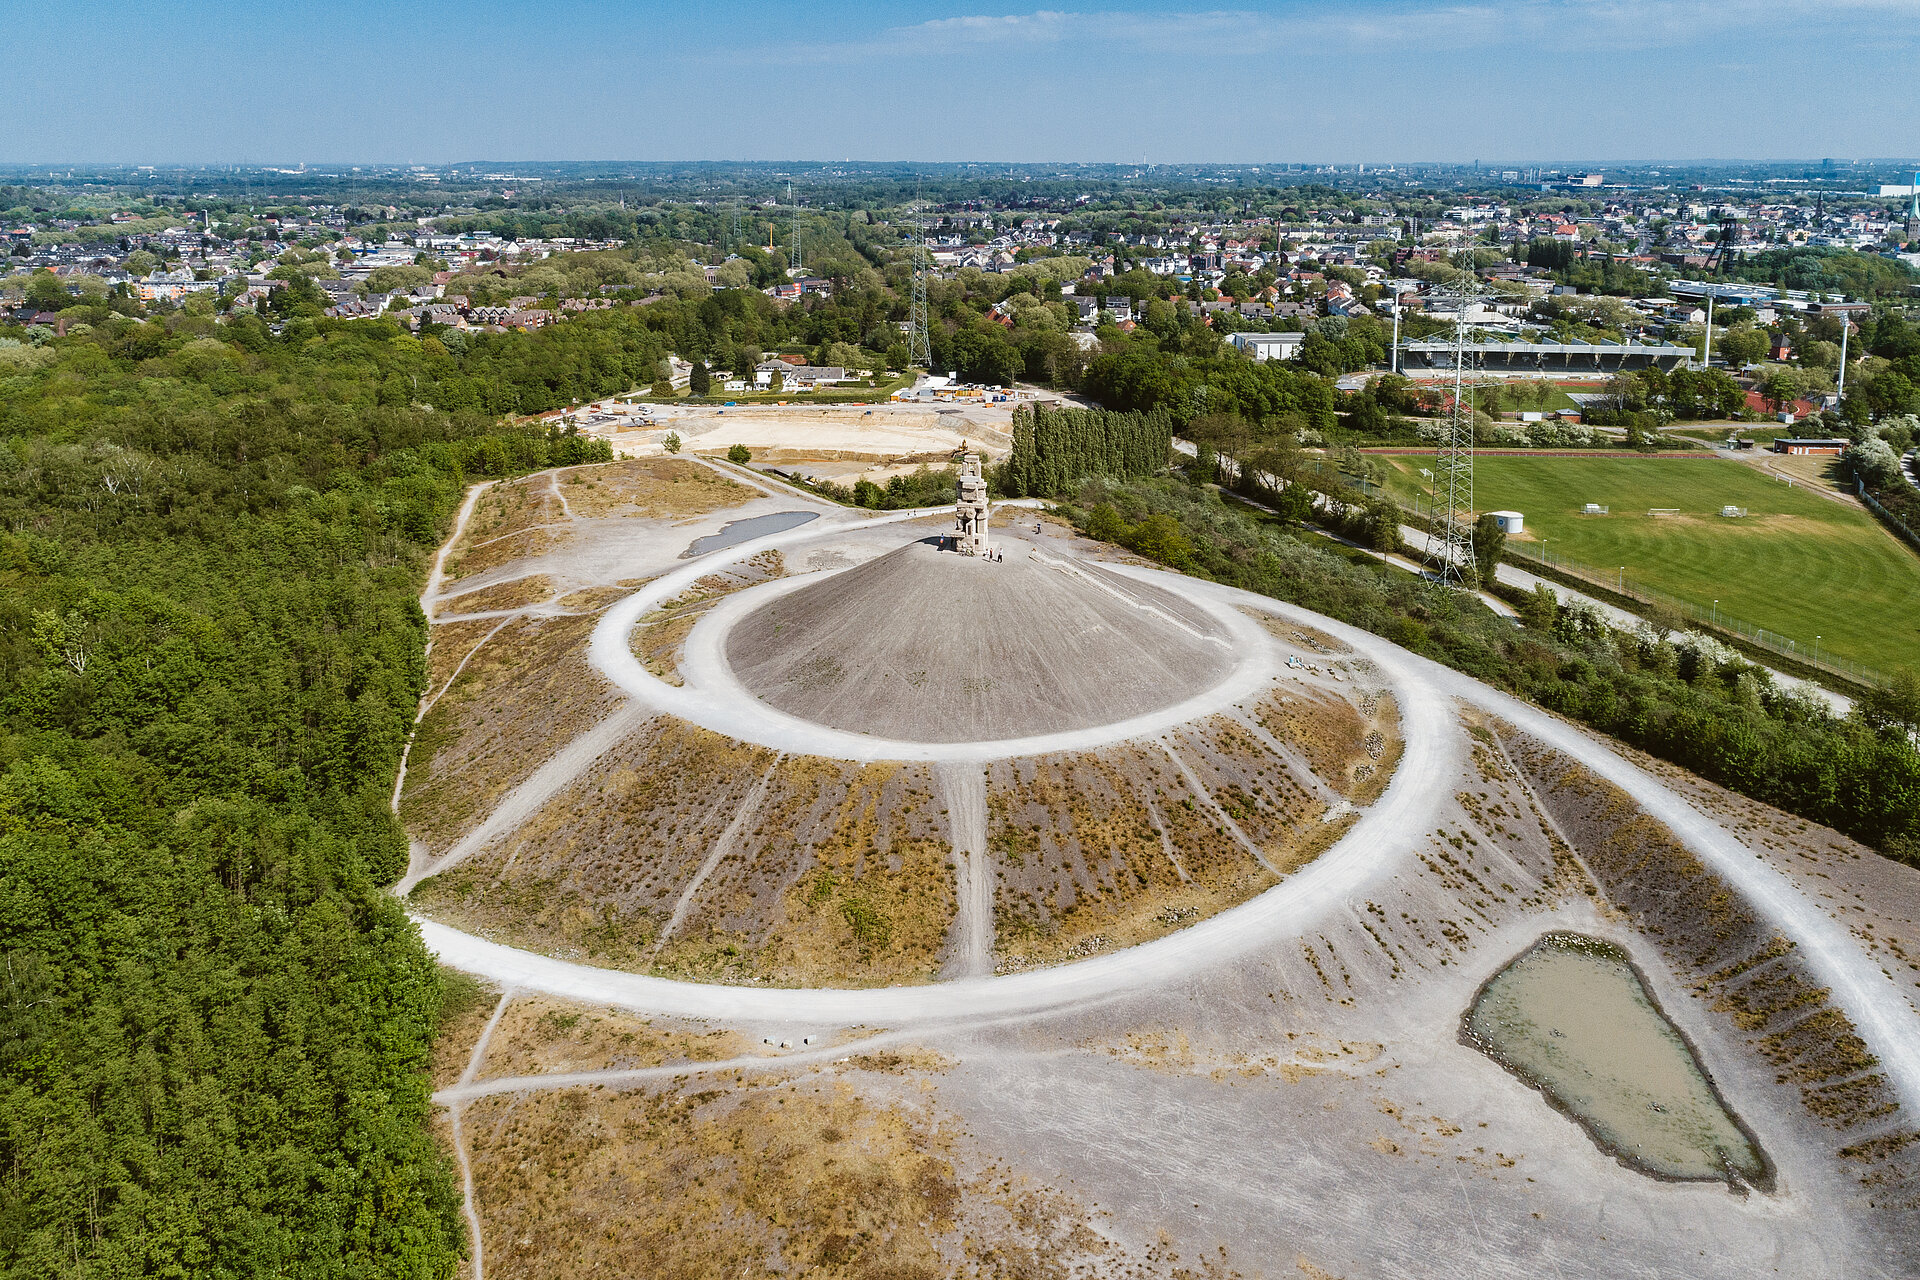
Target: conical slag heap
{"points": [[927, 646]]}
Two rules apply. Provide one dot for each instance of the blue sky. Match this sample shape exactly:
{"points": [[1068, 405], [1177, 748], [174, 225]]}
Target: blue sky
{"points": [[430, 81]]}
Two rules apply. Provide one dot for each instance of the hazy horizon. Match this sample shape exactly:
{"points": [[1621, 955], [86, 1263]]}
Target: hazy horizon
{"points": [[1611, 81]]}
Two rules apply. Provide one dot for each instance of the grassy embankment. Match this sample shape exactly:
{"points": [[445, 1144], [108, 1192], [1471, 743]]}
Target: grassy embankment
{"points": [[1798, 564]]}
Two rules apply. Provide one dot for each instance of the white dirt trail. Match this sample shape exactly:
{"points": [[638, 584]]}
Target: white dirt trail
{"points": [[474, 1062], [429, 596], [964, 789], [1387, 832], [1383, 837]]}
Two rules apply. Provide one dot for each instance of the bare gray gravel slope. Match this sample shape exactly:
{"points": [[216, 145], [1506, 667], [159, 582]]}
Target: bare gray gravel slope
{"points": [[929, 646]]}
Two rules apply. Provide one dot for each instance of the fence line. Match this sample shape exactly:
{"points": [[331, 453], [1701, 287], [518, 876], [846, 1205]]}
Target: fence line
{"points": [[1615, 580], [1895, 524], [1716, 619]]}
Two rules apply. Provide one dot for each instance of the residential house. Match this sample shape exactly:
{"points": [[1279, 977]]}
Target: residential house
{"points": [[797, 377]]}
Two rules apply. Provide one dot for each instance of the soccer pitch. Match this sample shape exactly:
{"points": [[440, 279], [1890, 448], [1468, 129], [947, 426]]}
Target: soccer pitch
{"points": [[1797, 564]]}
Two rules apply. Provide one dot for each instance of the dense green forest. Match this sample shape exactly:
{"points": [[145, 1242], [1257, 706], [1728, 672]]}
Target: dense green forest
{"points": [[1858, 275], [1696, 704], [212, 1021]]}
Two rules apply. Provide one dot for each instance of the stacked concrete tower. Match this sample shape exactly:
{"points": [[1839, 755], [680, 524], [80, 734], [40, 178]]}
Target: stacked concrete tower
{"points": [[970, 510]]}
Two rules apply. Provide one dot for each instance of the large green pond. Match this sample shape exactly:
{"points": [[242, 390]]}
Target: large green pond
{"points": [[1572, 1018]]}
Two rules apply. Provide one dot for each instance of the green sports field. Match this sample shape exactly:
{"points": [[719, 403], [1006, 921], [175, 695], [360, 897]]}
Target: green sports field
{"points": [[1797, 564]]}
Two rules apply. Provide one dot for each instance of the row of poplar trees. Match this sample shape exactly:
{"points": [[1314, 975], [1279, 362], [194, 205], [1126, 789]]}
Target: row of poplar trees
{"points": [[1055, 449]]}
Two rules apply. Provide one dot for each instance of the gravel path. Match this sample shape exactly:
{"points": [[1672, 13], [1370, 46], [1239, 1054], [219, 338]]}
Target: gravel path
{"points": [[714, 698], [1385, 832], [963, 788], [1383, 836]]}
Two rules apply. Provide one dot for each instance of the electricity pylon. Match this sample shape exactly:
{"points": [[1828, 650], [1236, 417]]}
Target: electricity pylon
{"points": [[793, 260], [1453, 460], [919, 344]]}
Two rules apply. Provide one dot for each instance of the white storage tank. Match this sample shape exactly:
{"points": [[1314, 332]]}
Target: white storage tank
{"points": [[1511, 522]]}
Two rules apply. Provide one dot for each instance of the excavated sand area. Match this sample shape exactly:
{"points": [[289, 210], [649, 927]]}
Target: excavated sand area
{"points": [[927, 645]]}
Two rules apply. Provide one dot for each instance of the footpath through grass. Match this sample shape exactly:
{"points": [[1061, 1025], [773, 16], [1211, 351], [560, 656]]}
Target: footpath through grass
{"points": [[1797, 564]]}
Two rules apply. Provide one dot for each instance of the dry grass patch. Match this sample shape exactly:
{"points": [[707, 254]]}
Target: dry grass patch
{"points": [[540, 1035], [515, 593], [650, 487], [864, 872], [809, 1178], [808, 872], [658, 645], [595, 873], [503, 550], [1383, 745], [505, 525], [1099, 851], [524, 694], [466, 1002], [453, 641], [1329, 731], [592, 599]]}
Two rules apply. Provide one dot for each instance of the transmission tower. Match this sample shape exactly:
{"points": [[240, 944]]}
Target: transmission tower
{"points": [[793, 259], [1453, 463], [919, 345]]}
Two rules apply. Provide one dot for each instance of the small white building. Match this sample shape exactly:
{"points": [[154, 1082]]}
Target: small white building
{"points": [[1511, 522], [1269, 346]]}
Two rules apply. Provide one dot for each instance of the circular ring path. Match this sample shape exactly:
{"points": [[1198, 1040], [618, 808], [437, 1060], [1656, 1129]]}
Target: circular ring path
{"points": [[1385, 835]]}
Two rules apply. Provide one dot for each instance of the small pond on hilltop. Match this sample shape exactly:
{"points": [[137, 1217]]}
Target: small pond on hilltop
{"points": [[1572, 1018]]}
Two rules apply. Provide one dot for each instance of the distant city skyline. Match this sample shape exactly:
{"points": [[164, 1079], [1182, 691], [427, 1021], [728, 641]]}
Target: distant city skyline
{"points": [[1374, 81]]}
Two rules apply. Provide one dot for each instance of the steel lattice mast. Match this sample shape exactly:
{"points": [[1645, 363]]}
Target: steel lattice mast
{"points": [[919, 344], [796, 241], [1453, 464]]}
